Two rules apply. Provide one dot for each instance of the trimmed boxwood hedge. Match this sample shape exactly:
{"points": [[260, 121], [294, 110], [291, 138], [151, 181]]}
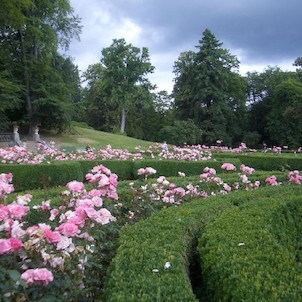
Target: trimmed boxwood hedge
{"points": [[172, 167], [27, 177], [59, 173], [251, 272], [167, 236], [253, 252], [265, 162]]}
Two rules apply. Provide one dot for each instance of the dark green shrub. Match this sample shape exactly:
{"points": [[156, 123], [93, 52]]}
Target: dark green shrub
{"points": [[167, 236], [28, 177], [172, 167], [123, 168], [265, 162], [249, 253], [263, 269]]}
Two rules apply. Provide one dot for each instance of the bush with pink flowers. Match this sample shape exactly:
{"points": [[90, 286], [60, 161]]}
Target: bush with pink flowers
{"points": [[54, 252]]}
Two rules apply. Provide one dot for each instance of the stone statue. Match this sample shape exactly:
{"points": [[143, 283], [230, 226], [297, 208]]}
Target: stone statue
{"points": [[37, 135], [17, 139]]}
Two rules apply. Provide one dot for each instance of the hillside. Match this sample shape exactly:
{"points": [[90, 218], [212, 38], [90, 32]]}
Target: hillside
{"points": [[80, 137]]}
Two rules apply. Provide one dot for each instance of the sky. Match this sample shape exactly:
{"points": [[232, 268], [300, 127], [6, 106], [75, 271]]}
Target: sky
{"points": [[260, 33]]}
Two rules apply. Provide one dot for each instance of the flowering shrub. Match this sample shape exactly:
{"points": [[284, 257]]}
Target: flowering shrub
{"points": [[38, 254], [295, 177]]}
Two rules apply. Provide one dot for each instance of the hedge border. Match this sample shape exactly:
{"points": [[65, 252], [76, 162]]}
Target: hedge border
{"points": [[168, 236]]}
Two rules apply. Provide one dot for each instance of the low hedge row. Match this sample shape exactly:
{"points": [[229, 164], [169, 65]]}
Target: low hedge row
{"points": [[137, 272], [27, 177], [265, 162], [38, 176], [59, 173], [172, 167], [253, 252]]}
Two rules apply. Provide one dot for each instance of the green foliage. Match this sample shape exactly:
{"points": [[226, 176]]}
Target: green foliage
{"points": [[118, 92], [28, 177], [38, 86], [273, 162], [284, 120], [209, 91], [249, 253], [122, 168], [172, 167], [182, 132], [232, 272]]}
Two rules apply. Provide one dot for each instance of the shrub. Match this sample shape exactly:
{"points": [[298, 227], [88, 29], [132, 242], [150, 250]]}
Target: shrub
{"points": [[172, 167], [249, 253], [28, 177], [138, 271]]}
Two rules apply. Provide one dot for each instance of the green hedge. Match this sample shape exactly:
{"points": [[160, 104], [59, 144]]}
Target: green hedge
{"points": [[27, 177], [120, 167], [253, 252], [172, 167], [265, 162], [264, 269], [164, 237]]}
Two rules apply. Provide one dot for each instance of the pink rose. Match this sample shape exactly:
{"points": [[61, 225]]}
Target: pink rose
{"points": [[16, 244], [39, 276], [10, 245], [5, 246], [52, 236], [4, 212], [76, 186], [17, 211], [141, 171], [69, 229], [228, 167]]}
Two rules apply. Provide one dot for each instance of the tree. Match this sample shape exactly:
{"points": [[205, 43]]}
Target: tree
{"points": [[126, 68], [284, 120], [261, 91], [32, 31], [209, 90]]}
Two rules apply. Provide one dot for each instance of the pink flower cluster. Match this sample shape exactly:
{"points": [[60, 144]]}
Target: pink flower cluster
{"points": [[5, 184], [146, 171], [38, 276], [247, 170], [10, 245], [272, 180], [70, 241], [228, 167], [295, 177], [187, 153]]}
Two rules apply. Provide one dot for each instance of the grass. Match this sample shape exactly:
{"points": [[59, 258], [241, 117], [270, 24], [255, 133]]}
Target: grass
{"points": [[80, 137]]}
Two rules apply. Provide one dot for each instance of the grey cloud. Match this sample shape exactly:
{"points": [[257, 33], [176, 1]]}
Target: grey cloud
{"points": [[264, 29]]}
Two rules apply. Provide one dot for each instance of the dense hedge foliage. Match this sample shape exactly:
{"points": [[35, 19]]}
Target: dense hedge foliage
{"points": [[266, 162], [172, 167], [38, 176], [253, 252], [222, 223], [26, 177]]}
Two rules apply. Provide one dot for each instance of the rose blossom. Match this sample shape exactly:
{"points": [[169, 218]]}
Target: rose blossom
{"points": [[69, 229], [39, 276]]}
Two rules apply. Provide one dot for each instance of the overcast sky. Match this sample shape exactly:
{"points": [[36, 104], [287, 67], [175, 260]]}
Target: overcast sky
{"points": [[259, 32]]}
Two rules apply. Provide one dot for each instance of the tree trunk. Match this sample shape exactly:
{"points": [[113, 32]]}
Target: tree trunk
{"points": [[28, 101], [123, 123]]}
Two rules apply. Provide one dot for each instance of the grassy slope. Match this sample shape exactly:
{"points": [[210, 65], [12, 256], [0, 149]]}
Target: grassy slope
{"points": [[81, 137]]}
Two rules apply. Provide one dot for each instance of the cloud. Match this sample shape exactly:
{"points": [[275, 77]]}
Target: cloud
{"points": [[259, 32]]}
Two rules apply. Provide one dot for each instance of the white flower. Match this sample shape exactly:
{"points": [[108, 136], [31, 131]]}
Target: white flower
{"points": [[167, 265]]}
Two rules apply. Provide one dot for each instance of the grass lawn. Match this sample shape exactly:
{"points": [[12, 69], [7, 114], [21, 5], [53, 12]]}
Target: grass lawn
{"points": [[80, 137]]}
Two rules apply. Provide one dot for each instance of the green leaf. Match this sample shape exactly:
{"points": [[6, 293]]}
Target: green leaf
{"points": [[15, 275]]}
